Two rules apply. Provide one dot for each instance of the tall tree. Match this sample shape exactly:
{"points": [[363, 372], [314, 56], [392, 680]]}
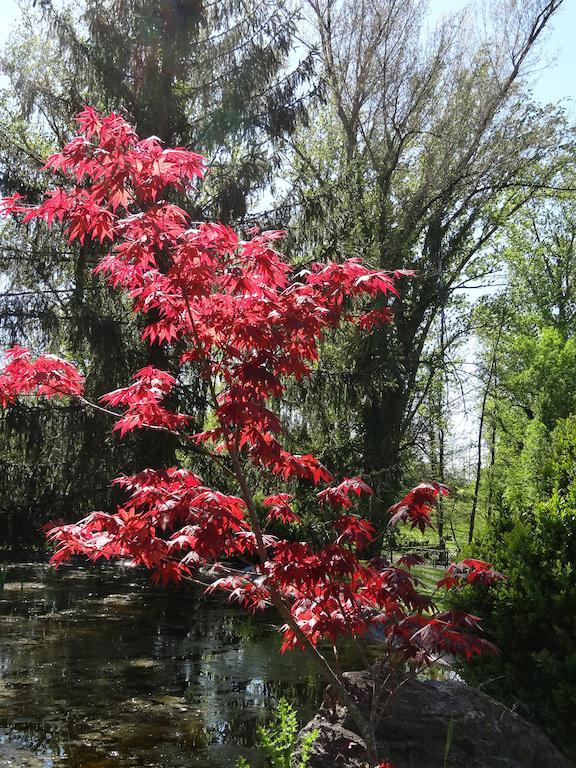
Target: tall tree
{"points": [[532, 489], [214, 76], [429, 143], [529, 332]]}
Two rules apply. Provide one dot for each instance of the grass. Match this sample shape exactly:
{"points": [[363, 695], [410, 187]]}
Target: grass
{"points": [[429, 575], [457, 510]]}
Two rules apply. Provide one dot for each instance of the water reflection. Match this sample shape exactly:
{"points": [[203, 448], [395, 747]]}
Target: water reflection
{"points": [[98, 669]]}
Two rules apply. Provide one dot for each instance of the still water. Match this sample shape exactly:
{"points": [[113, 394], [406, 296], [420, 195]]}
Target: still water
{"points": [[99, 669]]}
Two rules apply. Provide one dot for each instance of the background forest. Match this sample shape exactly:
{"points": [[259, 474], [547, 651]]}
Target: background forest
{"points": [[363, 128]]}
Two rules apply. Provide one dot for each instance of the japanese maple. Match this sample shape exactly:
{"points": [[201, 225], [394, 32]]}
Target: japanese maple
{"points": [[248, 322]]}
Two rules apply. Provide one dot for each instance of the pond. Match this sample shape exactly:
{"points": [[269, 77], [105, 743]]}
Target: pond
{"points": [[100, 669]]}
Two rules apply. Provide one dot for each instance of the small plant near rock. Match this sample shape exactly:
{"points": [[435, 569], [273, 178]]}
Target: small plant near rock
{"points": [[278, 740]]}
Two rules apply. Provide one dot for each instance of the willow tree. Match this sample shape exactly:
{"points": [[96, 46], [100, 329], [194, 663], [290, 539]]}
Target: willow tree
{"points": [[428, 144], [215, 77]]}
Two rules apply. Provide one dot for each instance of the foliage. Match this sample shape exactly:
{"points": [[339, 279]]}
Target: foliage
{"points": [[212, 75], [529, 333], [238, 316], [537, 374], [278, 739], [530, 492], [536, 545], [428, 144], [539, 256], [420, 169]]}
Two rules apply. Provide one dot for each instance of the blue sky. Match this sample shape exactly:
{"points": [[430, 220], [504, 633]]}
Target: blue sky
{"points": [[555, 83]]}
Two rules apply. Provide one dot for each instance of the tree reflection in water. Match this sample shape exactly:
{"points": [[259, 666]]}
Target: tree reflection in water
{"points": [[99, 669]]}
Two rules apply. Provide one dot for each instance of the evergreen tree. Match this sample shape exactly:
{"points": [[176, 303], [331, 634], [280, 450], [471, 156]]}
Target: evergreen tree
{"points": [[211, 76]]}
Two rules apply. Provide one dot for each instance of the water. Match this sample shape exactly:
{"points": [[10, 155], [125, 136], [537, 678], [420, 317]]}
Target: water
{"points": [[99, 669]]}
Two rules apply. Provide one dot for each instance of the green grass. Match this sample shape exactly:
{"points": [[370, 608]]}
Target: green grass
{"points": [[457, 510], [429, 575]]}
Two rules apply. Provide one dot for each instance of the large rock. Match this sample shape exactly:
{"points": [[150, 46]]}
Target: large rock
{"points": [[413, 732]]}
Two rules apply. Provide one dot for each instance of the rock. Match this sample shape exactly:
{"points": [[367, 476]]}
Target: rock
{"points": [[413, 732]]}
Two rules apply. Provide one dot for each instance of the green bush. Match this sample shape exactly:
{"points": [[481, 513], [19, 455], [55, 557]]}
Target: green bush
{"points": [[532, 617]]}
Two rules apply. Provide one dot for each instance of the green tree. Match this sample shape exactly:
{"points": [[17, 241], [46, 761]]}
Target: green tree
{"points": [[535, 547], [213, 76], [535, 358], [428, 144], [532, 532]]}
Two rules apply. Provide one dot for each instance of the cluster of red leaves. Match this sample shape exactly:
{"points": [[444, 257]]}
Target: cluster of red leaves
{"points": [[376, 317], [169, 523], [280, 509], [339, 496], [469, 572], [248, 323], [415, 507], [47, 375], [142, 400]]}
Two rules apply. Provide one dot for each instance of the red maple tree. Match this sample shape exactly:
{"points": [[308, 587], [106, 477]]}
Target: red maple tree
{"points": [[247, 322]]}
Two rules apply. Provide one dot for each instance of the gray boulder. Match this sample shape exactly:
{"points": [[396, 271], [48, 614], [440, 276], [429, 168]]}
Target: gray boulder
{"points": [[414, 730]]}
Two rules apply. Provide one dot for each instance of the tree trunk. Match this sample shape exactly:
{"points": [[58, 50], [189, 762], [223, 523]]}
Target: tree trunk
{"points": [[491, 373]]}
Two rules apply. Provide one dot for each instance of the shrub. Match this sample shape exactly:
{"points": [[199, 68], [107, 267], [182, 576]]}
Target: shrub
{"points": [[278, 740], [532, 617]]}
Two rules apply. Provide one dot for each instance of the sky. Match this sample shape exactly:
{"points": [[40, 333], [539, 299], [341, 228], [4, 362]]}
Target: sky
{"points": [[556, 82], [8, 14], [551, 84]]}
